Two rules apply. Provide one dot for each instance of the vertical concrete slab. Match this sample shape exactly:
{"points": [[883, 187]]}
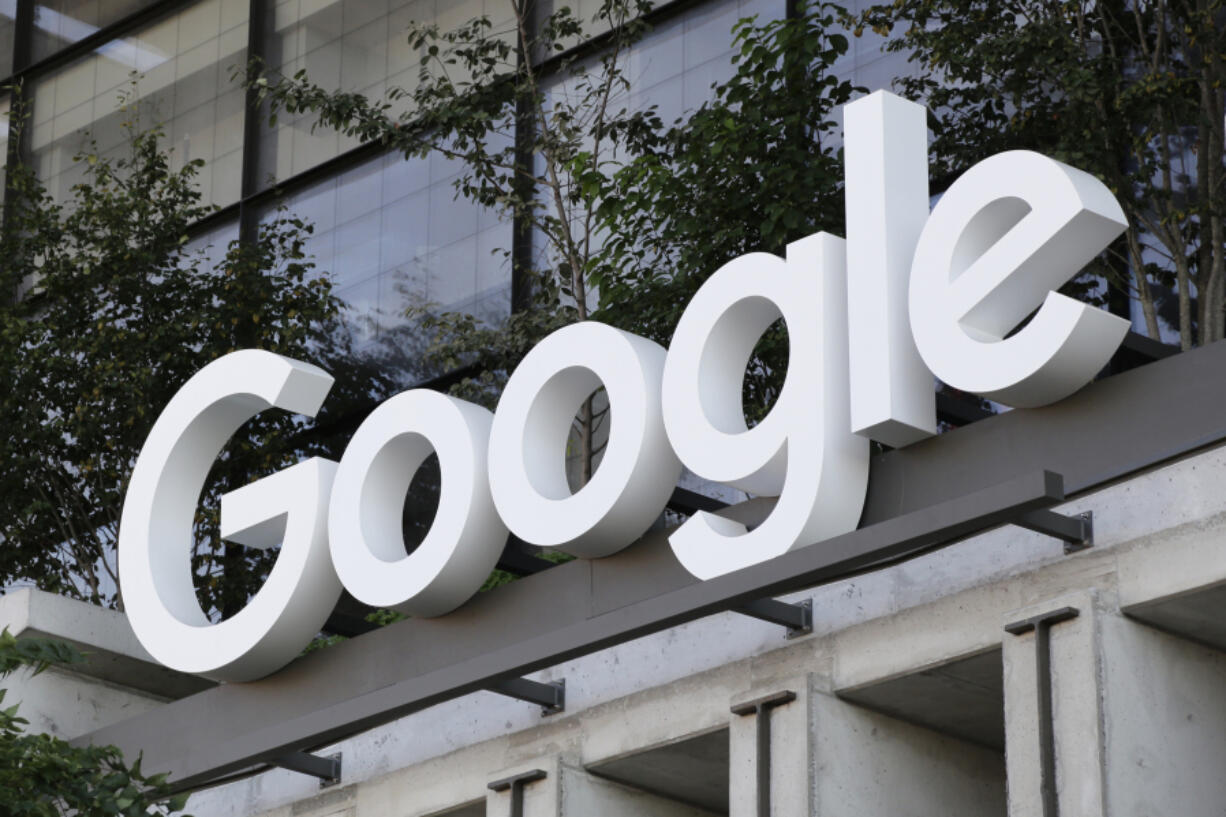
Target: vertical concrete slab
{"points": [[586, 795], [1077, 710], [1165, 718]]}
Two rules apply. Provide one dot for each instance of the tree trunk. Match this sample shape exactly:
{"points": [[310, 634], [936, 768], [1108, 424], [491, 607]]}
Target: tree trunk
{"points": [[1145, 295]]}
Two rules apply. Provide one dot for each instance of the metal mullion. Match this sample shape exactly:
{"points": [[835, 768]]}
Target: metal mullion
{"points": [[19, 137], [525, 159], [12, 157], [23, 36], [88, 45], [258, 12]]}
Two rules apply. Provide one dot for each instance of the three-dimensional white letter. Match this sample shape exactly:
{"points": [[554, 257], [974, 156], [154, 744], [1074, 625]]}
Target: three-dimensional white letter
{"points": [[803, 451]]}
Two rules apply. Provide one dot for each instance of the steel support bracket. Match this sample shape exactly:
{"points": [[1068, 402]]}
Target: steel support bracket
{"points": [[551, 696], [1077, 531], [327, 769], [796, 616]]}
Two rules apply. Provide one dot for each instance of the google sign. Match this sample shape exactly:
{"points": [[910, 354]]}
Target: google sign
{"points": [[871, 319]]}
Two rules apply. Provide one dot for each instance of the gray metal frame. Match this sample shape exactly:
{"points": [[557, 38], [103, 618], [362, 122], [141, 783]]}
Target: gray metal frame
{"points": [[920, 498]]}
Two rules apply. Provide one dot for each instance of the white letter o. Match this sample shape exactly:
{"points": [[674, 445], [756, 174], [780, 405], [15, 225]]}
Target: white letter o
{"points": [[364, 522], [528, 442]]}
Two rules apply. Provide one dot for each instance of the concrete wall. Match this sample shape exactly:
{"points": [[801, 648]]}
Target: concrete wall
{"points": [[118, 679]]}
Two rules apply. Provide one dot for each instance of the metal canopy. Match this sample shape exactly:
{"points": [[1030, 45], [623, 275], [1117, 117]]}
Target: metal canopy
{"points": [[920, 498]]}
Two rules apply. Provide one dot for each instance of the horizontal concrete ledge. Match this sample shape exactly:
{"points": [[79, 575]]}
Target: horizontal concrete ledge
{"points": [[112, 652]]}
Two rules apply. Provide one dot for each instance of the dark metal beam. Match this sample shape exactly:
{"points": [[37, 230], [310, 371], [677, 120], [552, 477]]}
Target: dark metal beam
{"points": [[688, 502], [551, 696], [24, 70], [1077, 531], [541, 620], [327, 769], [520, 558], [960, 409], [1106, 431]]}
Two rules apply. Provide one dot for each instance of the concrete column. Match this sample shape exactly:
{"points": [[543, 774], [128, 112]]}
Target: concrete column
{"points": [[1139, 717], [1076, 717]]}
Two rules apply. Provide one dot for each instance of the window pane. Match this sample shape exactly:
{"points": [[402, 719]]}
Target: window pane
{"points": [[179, 68], [60, 23], [390, 235], [354, 45]]}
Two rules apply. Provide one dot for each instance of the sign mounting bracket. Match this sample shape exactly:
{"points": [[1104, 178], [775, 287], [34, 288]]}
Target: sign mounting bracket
{"points": [[797, 617], [327, 769], [1077, 530], [551, 696]]}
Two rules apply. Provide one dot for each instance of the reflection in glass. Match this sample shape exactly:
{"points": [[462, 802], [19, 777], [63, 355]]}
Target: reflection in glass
{"points": [[351, 45], [179, 70], [391, 236], [60, 23]]}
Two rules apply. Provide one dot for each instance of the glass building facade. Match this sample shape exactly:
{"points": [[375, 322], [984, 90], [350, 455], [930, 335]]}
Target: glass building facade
{"points": [[389, 231]]}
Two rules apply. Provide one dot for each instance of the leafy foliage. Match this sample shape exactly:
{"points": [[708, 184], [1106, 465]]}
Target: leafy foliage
{"points": [[1134, 93], [43, 776], [109, 309]]}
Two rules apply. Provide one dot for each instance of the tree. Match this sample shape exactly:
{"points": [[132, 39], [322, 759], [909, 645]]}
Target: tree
{"points": [[43, 776], [758, 166], [109, 310], [536, 144], [1134, 93]]}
